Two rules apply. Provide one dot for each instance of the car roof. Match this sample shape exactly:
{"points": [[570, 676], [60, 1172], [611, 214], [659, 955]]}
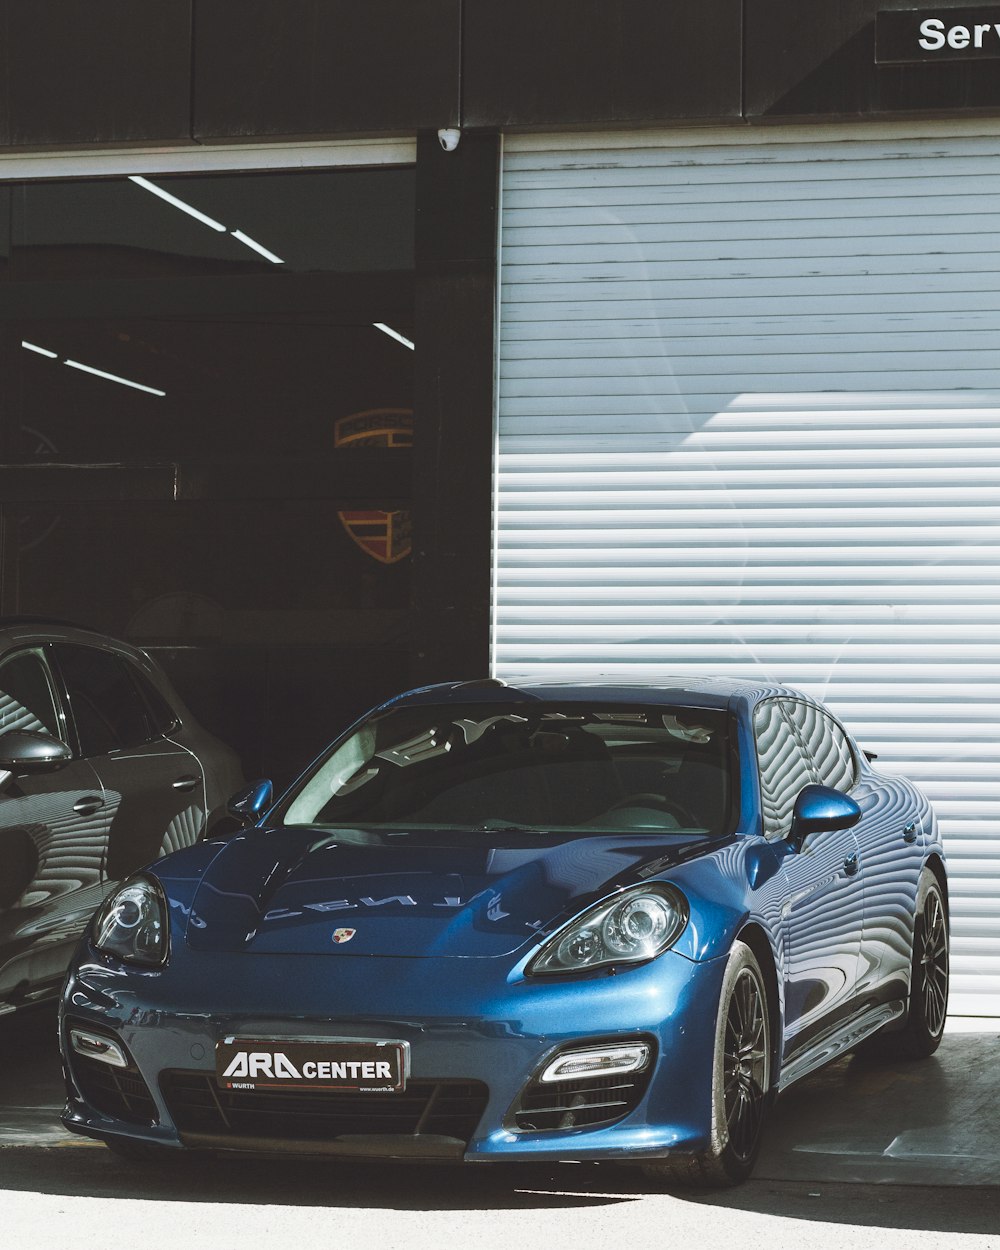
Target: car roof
{"points": [[690, 690], [15, 621], [32, 630]]}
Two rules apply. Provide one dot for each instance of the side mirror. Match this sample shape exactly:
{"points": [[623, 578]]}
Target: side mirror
{"points": [[24, 751], [247, 806], [818, 809]]}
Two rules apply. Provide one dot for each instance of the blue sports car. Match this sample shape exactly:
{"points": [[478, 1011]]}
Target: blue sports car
{"points": [[520, 922]]}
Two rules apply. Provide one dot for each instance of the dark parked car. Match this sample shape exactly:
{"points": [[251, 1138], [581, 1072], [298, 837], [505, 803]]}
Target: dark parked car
{"points": [[102, 769], [532, 922]]}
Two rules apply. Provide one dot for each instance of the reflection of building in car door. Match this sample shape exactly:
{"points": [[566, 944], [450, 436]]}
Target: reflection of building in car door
{"points": [[154, 787], [53, 835], [823, 905]]}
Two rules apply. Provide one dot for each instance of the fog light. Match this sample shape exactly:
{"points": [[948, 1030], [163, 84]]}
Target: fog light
{"points": [[599, 1061], [103, 1049]]}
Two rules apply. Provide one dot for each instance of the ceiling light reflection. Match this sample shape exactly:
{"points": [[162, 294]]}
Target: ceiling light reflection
{"points": [[172, 199], [393, 334], [257, 247], [113, 377], [42, 351]]}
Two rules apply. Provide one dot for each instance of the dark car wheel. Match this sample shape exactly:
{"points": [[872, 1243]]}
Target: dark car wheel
{"points": [[741, 1087], [925, 1020], [921, 1035]]}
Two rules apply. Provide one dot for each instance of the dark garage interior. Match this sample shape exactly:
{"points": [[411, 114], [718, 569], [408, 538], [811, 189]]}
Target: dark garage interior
{"points": [[211, 437], [208, 433]]}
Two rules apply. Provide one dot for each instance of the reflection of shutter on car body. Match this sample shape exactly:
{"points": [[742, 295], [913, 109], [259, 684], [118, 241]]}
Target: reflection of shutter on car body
{"points": [[749, 422], [15, 716], [782, 766]]}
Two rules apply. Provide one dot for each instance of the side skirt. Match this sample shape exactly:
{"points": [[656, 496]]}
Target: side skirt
{"points": [[839, 1041]]}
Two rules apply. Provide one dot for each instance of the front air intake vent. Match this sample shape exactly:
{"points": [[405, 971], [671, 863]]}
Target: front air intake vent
{"points": [[578, 1104], [115, 1091], [447, 1109]]}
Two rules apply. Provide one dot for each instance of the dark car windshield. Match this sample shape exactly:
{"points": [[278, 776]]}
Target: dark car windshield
{"points": [[543, 767]]}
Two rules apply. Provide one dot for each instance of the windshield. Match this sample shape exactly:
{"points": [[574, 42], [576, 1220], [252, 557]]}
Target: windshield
{"points": [[533, 767]]}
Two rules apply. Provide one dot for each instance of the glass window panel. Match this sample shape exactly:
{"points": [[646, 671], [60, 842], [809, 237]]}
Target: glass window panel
{"points": [[162, 716], [784, 768], [138, 331], [342, 221], [230, 390], [209, 568], [248, 388], [542, 766], [107, 708], [825, 743], [26, 696]]}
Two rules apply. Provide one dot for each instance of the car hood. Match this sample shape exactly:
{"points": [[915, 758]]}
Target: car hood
{"points": [[350, 893]]}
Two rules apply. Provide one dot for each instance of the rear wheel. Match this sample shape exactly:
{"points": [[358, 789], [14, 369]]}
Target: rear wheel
{"points": [[921, 1035], [929, 972], [741, 1085]]}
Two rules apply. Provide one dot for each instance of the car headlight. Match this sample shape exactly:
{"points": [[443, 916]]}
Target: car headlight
{"points": [[636, 925], [132, 923]]}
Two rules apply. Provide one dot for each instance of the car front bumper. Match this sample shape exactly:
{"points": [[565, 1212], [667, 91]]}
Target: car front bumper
{"points": [[464, 1019]]}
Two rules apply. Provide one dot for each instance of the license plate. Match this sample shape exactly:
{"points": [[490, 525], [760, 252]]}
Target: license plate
{"points": [[362, 1067]]}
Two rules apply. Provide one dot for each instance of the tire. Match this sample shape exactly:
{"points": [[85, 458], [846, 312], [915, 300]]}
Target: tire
{"points": [[741, 1084], [921, 1035], [929, 971]]}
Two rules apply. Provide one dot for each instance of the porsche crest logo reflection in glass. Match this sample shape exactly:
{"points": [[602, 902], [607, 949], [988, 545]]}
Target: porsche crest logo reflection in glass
{"points": [[385, 536]]}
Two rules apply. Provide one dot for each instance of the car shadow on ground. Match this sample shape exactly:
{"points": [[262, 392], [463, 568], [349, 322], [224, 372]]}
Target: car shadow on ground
{"points": [[93, 1172]]}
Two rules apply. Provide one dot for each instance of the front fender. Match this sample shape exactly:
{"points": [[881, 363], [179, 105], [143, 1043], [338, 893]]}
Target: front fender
{"points": [[726, 890]]}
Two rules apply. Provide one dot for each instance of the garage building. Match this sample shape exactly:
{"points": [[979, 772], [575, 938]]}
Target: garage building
{"points": [[683, 358]]}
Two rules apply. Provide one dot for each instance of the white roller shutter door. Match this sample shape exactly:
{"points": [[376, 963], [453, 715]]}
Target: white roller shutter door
{"points": [[749, 422]]}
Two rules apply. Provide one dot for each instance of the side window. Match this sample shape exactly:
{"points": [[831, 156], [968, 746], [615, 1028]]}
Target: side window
{"points": [[26, 696], [164, 719], [107, 707], [825, 743], [784, 768]]}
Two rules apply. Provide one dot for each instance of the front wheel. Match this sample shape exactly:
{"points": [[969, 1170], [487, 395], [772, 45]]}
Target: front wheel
{"points": [[741, 1083]]}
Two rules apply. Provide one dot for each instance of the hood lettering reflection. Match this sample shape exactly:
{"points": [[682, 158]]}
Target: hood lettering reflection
{"points": [[275, 891]]}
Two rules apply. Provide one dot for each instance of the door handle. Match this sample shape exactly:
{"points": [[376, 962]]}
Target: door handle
{"points": [[186, 782], [88, 805], [851, 865], [910, 832]]}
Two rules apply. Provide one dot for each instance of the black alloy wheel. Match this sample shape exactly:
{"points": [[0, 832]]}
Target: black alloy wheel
{"points": [[741, 1085], [745, 1064], [920, 1035], [931, 949], [929, 970]]}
